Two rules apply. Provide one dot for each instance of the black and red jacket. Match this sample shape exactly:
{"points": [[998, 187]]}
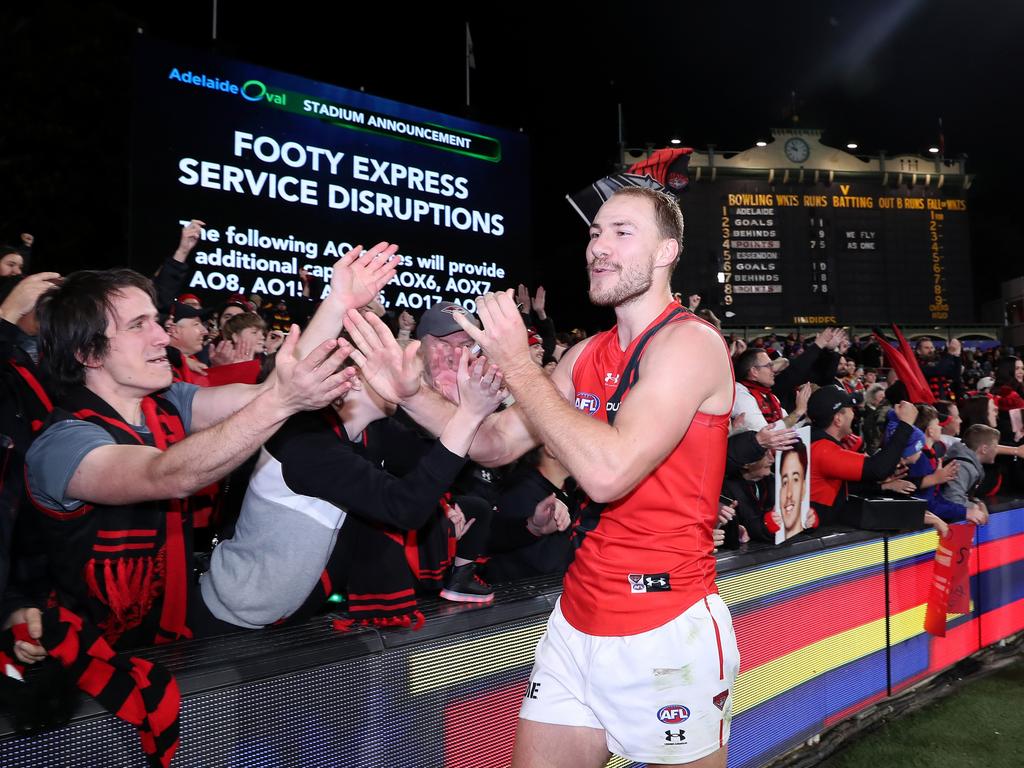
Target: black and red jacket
{"points": [[126, 568], [25, 405]]}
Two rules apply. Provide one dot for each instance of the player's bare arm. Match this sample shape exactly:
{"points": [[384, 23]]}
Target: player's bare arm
{"points": [[682, 371]]}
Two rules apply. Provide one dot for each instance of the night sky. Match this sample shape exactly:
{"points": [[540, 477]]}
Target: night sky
{"points": [[878, 73]]}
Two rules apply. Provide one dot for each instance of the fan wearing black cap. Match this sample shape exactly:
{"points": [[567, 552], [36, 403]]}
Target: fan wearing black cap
{"points": [[186, 328], [830, 410], [440, 338]]}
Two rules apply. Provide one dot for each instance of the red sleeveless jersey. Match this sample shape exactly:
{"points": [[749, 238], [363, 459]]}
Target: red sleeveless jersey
{"points": [[649, 558]]}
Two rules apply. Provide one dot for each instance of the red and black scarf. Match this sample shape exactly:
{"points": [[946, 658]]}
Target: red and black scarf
{"points": [[140, 692], [766, 400]]}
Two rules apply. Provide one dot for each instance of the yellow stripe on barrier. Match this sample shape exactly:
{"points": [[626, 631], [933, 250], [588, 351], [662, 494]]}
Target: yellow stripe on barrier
{"points": [[911, 546], [461, 662], [757, 685], [765, 581]]}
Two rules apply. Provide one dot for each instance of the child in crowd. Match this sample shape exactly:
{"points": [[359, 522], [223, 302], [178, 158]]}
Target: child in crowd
{"points": [[979, 447]]}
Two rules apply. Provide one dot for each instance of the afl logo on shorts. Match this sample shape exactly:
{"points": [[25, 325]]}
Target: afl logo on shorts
{"points": [[674, 713], [587, 403]]}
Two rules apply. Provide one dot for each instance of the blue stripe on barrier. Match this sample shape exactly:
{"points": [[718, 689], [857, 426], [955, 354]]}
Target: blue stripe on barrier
{"points": [[1000, 586], [777, 725], [909, 658], [1002, 524]]}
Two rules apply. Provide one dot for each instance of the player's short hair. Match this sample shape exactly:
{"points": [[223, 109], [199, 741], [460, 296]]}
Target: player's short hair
{"points": [[978, 435], [667, 214]]}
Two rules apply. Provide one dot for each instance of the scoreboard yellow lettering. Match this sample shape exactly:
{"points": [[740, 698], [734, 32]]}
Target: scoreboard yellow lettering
{"points": [[752, 200], [887, 202], [852, 202], [815, 201], [787, 199], [913, 203]]}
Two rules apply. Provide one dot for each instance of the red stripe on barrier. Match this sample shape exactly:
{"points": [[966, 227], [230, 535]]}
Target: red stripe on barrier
{"points": [[909, 586], [854, 708], [807, 619], [1002, 622], [994, 554], [959, 643], [904, 684]]}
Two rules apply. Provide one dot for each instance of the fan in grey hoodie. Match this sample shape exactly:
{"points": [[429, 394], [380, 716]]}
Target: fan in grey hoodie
{"points": [[977, 448]]}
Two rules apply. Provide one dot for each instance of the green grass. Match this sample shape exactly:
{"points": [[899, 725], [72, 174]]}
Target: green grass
{"points": [[980, 726]]}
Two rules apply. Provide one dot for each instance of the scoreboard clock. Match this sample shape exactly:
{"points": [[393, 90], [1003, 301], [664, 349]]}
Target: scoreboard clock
{"points": [[797, 150]]}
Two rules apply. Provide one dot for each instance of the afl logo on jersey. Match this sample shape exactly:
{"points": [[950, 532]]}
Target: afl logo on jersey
{"points": [[587, 403], [674, 713]]}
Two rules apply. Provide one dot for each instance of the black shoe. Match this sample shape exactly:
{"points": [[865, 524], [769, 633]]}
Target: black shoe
{"points": [[464, 586]]}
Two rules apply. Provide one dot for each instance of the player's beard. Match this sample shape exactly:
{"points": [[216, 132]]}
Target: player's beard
{"points": [[633, 281]]}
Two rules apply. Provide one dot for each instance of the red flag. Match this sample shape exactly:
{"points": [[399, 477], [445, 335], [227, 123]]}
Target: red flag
{"points": [[905, 371], [951, 586], [657, 165], [927, 396]]}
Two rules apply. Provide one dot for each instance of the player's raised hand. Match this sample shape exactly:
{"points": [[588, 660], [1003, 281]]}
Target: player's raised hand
{"points": [[503, 335]]}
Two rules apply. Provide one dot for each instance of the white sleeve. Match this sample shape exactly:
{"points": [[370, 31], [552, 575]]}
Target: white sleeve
{"points": [[754, 420]]}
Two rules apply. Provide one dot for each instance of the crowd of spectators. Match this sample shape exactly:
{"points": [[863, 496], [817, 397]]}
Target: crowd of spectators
{"points": [[172, 470]]}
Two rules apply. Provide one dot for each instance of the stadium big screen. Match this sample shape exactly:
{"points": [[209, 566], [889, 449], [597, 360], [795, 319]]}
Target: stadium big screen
{"points": [[289, 173], [846, 252]]}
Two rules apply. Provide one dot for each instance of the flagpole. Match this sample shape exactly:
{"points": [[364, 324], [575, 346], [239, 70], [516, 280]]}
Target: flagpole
{"points": [[469, 60]]}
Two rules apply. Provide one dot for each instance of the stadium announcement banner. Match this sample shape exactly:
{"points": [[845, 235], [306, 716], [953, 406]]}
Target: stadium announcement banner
{"points": [[289, 173]]}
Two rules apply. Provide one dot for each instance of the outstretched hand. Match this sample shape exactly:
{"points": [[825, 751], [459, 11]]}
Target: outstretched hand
{"points": [[393, 372], [23, 297], [359, 275], [316, 380], [190, 235], [548, 516], [947, 472], [480, 389], [539, 303], [771, 438]]}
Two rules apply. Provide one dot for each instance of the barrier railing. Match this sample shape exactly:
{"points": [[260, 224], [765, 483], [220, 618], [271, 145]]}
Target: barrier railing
{"points": [[826, 627]]}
